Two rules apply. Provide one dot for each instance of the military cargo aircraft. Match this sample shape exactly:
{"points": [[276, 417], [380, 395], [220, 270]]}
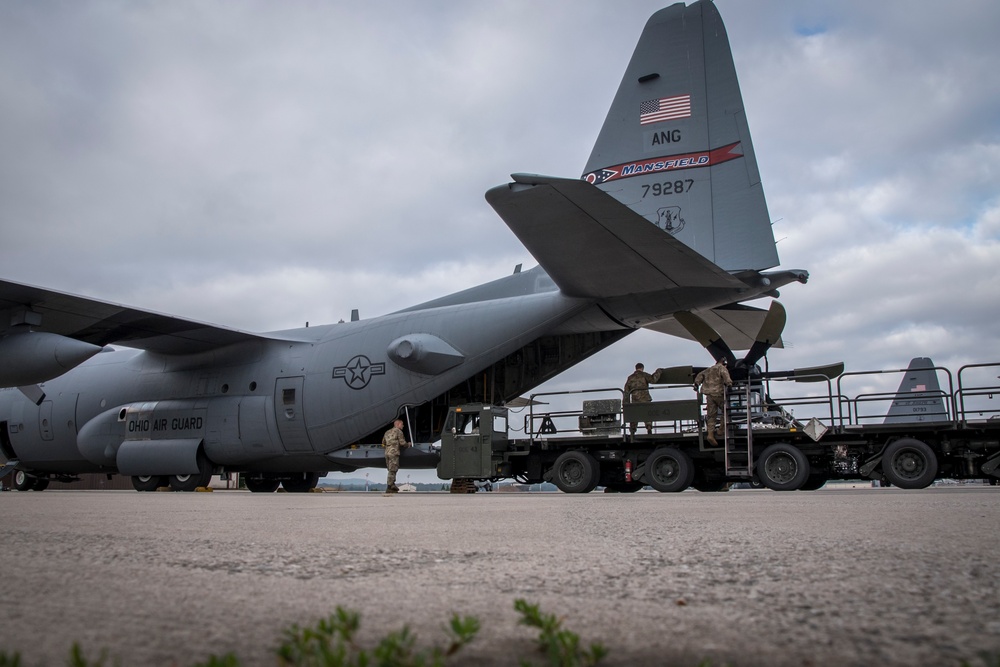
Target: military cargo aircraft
{"points": [[669, 217]]}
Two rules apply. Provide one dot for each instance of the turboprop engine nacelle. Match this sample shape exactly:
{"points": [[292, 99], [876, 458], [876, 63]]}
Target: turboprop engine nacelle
{"points": [[32, 357]]}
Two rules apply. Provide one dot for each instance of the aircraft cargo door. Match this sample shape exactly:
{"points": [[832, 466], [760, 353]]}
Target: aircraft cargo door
{"points": [[288, 412]]}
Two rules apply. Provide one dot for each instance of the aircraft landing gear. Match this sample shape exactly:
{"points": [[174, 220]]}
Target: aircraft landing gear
{"points": [[148, 482], [260, 483], [25, 482], [303, 483], [192, 482]]}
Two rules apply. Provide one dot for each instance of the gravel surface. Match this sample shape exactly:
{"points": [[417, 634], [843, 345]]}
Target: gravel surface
{"points": [[835, 577]]}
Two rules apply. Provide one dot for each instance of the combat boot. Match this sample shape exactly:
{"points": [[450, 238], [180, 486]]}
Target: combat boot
{"points": [[711, 437]]}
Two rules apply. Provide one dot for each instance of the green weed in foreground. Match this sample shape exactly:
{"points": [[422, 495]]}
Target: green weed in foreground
{"points": [[76, 658], [227, 660], [332, 642], [560, 646], [988, 660]]}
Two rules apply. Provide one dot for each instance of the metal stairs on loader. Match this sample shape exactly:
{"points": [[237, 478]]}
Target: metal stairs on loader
{"points": [[737, 431]]}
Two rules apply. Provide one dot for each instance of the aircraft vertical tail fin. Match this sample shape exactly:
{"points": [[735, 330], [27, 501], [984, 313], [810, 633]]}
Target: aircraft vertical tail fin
{"points": [[676, 148], [919, 397]]}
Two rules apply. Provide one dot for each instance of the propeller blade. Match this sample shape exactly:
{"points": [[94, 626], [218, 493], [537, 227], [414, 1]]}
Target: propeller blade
{"points": [[706, 335], [769, 333], [810, 374], [675, 375]]}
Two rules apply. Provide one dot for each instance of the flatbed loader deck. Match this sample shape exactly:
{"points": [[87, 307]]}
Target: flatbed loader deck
{"points": [[842, 429]]}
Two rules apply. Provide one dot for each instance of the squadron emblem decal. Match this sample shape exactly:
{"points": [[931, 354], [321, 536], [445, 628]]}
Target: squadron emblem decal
{"points": [[358, 372], [668, 218]]}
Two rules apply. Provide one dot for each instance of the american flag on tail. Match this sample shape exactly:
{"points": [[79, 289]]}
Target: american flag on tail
{"points": [[665, 108]]}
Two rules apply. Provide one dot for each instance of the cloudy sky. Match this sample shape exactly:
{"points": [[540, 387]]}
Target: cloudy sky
{"points": [[261, 164]]}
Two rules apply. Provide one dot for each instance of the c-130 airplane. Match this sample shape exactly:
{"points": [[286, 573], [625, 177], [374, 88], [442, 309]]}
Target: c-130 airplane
{"points": [[669, 217]]}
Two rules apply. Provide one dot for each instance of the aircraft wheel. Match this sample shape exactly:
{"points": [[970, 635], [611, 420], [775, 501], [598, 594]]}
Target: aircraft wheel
{"points": [[782, 467], [909, 464], [148, 482], [669, 470], [260, 484], [575, 472], [40, 484], [23, 481], [301, 484], [192, 482]]}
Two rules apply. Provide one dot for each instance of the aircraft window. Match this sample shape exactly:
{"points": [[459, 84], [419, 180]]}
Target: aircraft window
{"points": [[288, 396], [253, 386], [225, 389]]}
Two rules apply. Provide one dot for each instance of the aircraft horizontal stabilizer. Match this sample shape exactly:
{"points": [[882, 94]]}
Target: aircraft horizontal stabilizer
{"points": [[594, 246], [736, 324]]}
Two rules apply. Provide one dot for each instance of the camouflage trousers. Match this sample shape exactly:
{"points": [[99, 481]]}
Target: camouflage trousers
{"points": [[633, 426], [715, 405], [391, 466]]}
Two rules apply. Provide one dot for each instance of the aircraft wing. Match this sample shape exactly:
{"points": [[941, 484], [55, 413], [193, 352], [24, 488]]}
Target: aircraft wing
{"points": [[592, 245], [736, 324], [102, 323]]}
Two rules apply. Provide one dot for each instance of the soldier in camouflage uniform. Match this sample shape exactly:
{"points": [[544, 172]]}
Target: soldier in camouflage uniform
{"points": [[393, 441], [637, 391], [713, 382]]}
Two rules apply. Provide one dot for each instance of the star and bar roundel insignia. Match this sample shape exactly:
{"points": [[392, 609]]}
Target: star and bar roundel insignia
{"points": [[358, 372]]}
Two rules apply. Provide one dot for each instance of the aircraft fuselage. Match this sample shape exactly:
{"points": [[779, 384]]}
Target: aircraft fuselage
{"points": [[268, 404]]}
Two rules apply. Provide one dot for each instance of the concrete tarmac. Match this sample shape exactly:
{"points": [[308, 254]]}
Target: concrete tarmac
{"points": [[745, 578]]}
